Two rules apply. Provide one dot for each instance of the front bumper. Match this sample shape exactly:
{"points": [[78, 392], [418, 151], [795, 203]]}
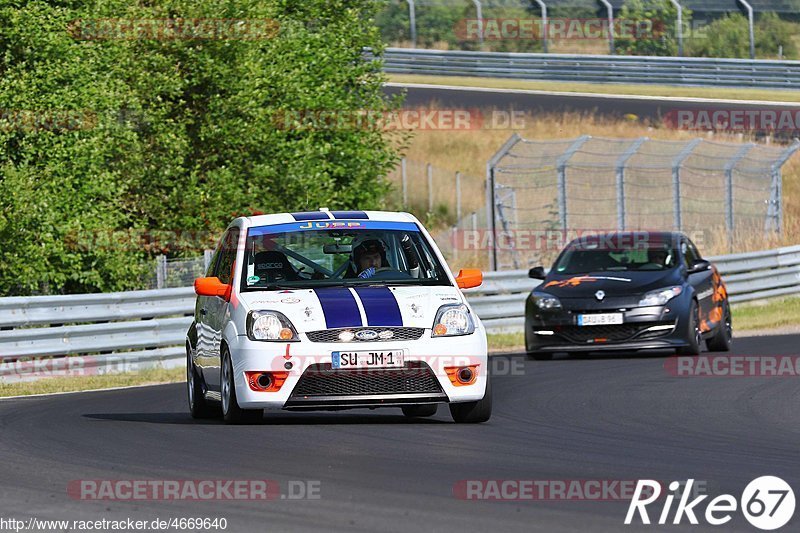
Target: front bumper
{"points": [[312, 383], [643, 328]]}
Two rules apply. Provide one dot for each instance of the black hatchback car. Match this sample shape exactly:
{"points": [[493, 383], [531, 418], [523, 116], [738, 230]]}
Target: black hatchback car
{"points": [[628, 291]]}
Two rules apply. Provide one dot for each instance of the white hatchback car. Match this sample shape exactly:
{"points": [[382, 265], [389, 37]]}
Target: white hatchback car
{"points": [[334, 310]]}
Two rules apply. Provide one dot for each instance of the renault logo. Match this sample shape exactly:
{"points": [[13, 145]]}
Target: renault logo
{"points": [[600, 295], [366, 335]]}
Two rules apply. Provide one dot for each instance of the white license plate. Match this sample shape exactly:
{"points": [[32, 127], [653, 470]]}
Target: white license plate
{"points": [[367, 359], [599, 319]]}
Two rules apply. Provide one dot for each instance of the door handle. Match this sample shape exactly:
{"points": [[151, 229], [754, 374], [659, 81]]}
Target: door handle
{"points": [[203, 311]]}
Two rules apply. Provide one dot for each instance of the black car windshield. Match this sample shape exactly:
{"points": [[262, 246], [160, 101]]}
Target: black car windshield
{"points": [[339, 253], [580, 258]]}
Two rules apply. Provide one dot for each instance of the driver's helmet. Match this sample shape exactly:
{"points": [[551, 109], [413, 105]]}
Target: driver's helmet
{"points": [[367, 245]]}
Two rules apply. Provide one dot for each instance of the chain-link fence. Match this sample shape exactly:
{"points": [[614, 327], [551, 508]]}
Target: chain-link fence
{"points": [[729, 192], [176, 272]]}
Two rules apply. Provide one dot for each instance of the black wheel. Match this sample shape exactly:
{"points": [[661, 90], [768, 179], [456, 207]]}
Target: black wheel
{"points": [[721, 341], [199, 407], [231, 412], [474, 412], [420, 410], [693, 335]]}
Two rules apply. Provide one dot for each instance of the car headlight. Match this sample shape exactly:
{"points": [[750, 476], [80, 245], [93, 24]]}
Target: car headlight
{"points": [[659, 297], [270, 326], [453, 320], [546, 301]]}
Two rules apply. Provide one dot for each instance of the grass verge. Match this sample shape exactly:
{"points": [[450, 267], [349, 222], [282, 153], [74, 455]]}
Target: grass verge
{"points": [[773, 95], [83, 383], [752, 317]]}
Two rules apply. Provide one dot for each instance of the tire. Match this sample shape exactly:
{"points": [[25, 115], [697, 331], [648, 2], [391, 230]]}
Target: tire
{"points": [[693, 335], [413, 411], [721, 341], [474, 412], [199, 407], [231, 412]]}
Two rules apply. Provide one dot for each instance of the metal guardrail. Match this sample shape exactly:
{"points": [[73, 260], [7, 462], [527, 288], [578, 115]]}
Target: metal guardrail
{"points": [[139, 329], [690, 71]]}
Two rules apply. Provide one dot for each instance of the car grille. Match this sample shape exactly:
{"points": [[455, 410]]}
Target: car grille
{"points": [[321, 380], [398, 334], [610, 332]]}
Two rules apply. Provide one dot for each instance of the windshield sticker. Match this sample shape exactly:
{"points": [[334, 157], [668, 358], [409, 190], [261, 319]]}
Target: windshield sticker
{"points": [[577, 280], [332, 225], [253, 279]]}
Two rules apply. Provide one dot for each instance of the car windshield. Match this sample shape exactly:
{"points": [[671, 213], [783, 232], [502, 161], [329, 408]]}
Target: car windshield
{"points": [[580, 258], [339, 253]]}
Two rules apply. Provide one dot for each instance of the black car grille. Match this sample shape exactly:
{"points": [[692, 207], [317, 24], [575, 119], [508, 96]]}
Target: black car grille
{"points": [[321, 380], [609, 332], [398, 334]]}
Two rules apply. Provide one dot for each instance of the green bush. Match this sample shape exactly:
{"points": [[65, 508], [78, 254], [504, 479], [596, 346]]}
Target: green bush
{"points": [[729, 36]]}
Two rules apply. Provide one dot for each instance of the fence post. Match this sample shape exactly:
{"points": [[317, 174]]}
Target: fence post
{"points": [[429, 171], [490, 190], [749, 9], [161, 271], [545, 28], [610, 10], [679, 29], [729, 166], [676, 181], [775, 208], [412, 21], [458, 197], [479, 15], [561, 165], [404, 181], [621, 162]]}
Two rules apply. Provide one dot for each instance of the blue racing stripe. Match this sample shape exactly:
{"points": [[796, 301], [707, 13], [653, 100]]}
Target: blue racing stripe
{"points": [[311, 215], [380, 306], [353, 215], [339, 307]]}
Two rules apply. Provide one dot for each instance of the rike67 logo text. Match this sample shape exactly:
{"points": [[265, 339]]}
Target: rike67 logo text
{"points": [[767, 503]]}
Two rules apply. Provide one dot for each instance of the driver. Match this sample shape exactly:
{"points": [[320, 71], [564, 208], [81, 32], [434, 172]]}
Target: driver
{"points": [[369, 256], [657, 258]]}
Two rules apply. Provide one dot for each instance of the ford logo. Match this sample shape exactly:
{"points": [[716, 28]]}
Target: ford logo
{"points": [[366, 335]]}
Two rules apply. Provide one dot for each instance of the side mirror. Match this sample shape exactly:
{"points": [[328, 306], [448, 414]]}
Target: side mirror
{"points": [[468, 278], [212, 287], [700, 266], [536, 273]]}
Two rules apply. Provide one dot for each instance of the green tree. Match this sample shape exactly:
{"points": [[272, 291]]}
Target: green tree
{"points": [[651, 28]]}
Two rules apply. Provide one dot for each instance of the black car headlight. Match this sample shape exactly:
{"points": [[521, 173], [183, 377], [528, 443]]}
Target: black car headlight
{"points": [[270, 326], [660, 297], [453, 319], [546, 301]]}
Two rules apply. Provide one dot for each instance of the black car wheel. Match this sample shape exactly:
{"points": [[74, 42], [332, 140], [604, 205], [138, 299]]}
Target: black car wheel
{"points": [[474, 412], [721, 341], [199, 407], [693, 335], [231, 412]]}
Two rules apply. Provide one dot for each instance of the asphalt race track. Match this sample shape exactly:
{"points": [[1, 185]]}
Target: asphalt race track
{"points": [[651, 108], [590, 418]]}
